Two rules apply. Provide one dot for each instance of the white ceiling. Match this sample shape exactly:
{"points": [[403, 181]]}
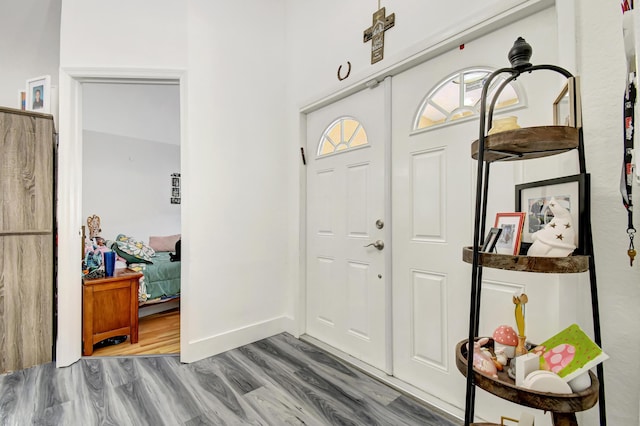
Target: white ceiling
{"points": [[142, 111]]}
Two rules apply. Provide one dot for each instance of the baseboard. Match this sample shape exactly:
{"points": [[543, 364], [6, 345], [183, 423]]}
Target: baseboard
{"points": [[447, 409], [198, 349]]}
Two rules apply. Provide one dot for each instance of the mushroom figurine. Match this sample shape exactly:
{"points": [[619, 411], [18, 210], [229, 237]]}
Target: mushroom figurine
{"points": [[505, 339]]}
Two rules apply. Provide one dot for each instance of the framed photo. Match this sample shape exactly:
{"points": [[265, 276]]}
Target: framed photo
{"points": [[567, 109], [39, 94], [489, 245], [22, 100], [175, 188], [570, 191], [509, 240]]}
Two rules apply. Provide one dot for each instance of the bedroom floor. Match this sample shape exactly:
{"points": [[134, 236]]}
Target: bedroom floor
{"points": [[157, 334], [275, 381]]}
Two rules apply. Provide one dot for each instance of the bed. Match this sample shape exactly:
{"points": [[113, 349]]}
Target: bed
{"points": [[161, 280]]}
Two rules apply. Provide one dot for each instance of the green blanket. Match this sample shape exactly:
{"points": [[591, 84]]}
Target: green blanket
{"points": [[162, 278]]}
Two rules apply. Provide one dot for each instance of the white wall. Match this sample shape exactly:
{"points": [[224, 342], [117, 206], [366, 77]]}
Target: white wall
{"points": [[127, 182], [142, 111], [238, 171], [29, 46], [602, 66], [122, 34], [232, 110], [322, 35]]}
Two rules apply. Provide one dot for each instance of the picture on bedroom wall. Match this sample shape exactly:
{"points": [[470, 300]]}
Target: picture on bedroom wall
{"points": [[175, 188]]}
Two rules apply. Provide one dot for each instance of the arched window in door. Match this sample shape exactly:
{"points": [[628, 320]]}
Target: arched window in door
{"points": [[457, 97], [343, 134]]}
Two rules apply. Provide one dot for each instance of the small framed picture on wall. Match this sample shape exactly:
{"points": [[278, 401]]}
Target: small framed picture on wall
{"points": [[175, 188], [39, 94]]}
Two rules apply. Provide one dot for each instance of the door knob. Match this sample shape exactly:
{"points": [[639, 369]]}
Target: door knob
{"points": [[379, 244]]}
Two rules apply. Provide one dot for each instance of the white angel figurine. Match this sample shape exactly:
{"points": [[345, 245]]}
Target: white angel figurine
{"points": [[557, 237]]}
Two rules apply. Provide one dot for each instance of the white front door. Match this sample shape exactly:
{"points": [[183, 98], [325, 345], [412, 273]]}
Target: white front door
{"points": [[346, 277], [433, 186], [431, 221]]}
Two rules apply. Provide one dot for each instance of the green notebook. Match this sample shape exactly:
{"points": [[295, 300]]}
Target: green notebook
{"points": [[569, 353]]}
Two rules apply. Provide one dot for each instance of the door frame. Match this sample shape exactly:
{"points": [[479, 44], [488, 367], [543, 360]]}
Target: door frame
{"points": [[69, 203], [566, 18]]}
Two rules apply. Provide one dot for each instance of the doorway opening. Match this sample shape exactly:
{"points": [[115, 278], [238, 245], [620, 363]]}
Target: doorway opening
{"points": [[131, 197]]}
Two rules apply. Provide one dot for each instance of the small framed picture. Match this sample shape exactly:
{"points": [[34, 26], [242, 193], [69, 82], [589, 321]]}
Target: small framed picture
{"points": [[39, 94], [509, 240], [175, 188], [22, 100], [570, 191], [489, 245], [567, 109]]}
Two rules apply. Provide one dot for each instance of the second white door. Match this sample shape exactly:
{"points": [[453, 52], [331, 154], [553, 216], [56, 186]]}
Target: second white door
{"points": [[347, 306]]}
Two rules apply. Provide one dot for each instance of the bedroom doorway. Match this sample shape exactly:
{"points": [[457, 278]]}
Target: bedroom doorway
{"points": [[131, 183]]}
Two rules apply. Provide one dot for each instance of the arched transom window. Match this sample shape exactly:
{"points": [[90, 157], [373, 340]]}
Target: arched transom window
{"points": [[344, 133], [458, 97]]}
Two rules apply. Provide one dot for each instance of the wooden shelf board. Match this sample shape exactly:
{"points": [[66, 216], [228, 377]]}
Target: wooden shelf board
{"points": [[505, 388], [527, 143], [549, 265]]}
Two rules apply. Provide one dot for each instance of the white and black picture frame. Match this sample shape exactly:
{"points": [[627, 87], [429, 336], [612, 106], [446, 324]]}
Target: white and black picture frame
{"points": [[489, 245], [175, 188], [39, 94], [571, 192]]}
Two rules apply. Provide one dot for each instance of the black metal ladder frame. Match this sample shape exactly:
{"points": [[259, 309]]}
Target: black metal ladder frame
{"points": [[482, 187]]}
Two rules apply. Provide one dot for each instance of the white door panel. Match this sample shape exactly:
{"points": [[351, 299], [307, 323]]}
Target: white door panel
{"points": [[346, 281], [433, 190]]}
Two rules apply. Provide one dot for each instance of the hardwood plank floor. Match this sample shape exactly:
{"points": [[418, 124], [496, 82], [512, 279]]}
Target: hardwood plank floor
{"points": [[276, 381], [157, 334]]}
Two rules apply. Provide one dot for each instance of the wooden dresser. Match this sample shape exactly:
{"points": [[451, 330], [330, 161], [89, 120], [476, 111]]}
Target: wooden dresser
{"points": [[110, 308]]}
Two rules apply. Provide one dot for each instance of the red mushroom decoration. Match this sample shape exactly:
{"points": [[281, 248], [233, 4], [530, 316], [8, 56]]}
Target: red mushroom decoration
{"points": [[505, 338]]}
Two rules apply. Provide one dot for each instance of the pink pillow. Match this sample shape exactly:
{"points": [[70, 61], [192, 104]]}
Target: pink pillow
{"points": [[167, 243]]}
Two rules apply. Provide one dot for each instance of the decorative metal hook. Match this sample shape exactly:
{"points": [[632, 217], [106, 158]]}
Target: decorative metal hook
{"points": [[348, 71]]}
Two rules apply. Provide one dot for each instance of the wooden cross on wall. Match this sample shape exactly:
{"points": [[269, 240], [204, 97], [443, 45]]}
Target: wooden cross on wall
{"points": [[375, 33]]}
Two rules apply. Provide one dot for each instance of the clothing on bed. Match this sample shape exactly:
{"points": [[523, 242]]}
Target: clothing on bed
{"points": [[132, 250]]}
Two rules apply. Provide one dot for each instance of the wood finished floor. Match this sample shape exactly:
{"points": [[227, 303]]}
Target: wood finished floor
{"points": [[275, 381], [157, 334]]}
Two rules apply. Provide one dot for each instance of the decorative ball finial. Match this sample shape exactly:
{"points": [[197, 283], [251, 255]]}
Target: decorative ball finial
{"points": [[520, 54]]}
